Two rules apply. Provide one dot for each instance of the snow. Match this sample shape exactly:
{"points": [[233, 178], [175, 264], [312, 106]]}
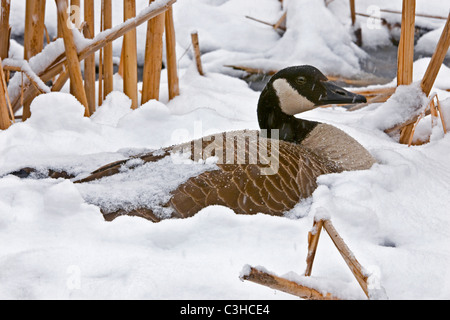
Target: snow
{"points": [[55, 244]]}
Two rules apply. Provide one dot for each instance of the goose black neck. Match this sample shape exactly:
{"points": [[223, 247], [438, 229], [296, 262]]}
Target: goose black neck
{"points": [[270, 116]]}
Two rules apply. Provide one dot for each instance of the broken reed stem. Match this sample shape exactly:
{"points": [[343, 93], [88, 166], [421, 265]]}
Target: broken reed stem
{"points": [[89, 63], [281, 284], [72, 57], [313, 241], [108, 63], [153, 58], [130, 56], [4, 29], [196, 46], [405, 57], [172, 75]]}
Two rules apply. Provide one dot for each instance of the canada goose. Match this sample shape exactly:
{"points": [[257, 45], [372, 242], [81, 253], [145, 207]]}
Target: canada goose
{"points": [[267, 171]]}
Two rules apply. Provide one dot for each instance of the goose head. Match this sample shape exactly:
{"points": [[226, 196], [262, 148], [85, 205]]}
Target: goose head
{"points": [[294, 90]]}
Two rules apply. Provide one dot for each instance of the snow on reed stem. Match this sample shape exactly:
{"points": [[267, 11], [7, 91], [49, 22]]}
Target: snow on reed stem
{"points": [[72, 56], [174, 89], [5, 29], [130, 56], [153, 58]]}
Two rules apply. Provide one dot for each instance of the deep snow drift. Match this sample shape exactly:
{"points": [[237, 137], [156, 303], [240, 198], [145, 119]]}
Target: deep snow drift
{"points": [[394, 217]]}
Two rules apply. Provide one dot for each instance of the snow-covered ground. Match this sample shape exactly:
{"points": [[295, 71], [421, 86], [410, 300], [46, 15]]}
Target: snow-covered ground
{"points": [[395, 217]]}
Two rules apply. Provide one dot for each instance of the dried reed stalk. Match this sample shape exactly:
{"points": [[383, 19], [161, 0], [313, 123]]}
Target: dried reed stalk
{"points": [[313, 241], [108, 64], [34, 28], [89, 62], [428, 80], [29, 74], [5, 116], [280, 21], [33, 37], [405, 57], [417, 14], [406, 46], [100, 62], [4, 29], [352, 12], [172, 72], [73, 62], [75, 16], [196, 46], [273, 25], [435, 110], [56, 66], [153, 58], [437, 59], [130, 56]]}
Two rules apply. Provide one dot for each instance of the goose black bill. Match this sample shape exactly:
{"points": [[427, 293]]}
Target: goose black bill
{"points": [[337, 95]]}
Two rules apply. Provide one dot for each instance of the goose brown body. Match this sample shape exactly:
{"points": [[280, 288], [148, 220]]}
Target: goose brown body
{"points": [[242, 184]]}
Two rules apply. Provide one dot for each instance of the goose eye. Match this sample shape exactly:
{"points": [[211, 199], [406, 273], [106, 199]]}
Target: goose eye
{"points": [[301, 80]]}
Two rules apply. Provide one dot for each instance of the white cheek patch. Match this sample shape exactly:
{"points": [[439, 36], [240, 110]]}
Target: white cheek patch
{"points": [[291, 102]]}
